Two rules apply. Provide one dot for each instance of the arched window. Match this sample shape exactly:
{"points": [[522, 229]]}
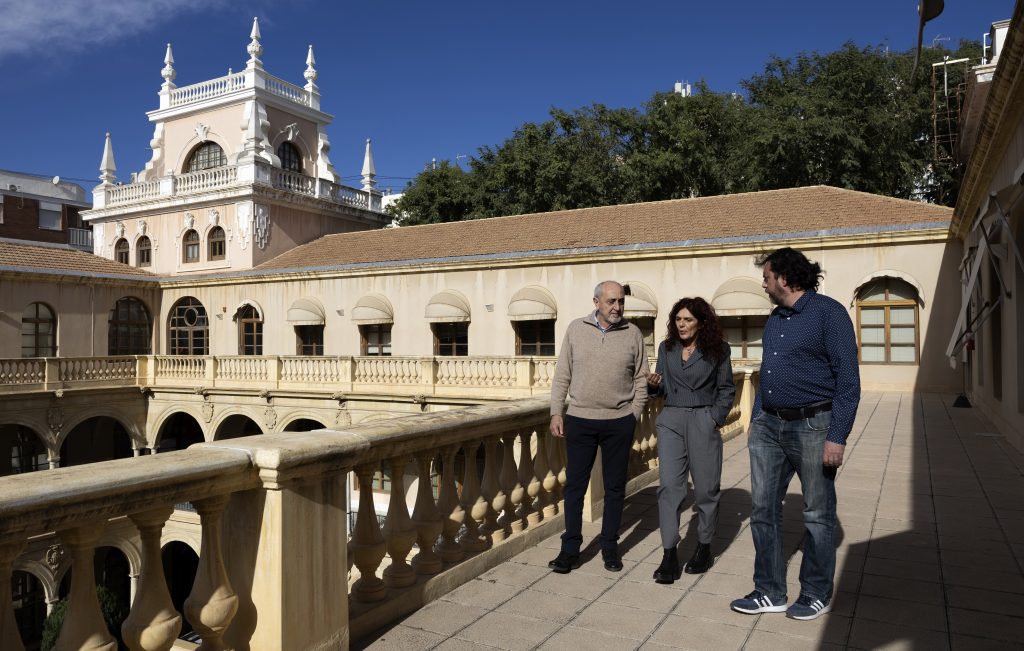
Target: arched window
{"points": [[206, 155], [143, 252], [250, 331], [887, 322], [190, 246], [27, 451], [291, 160], [216, 240], [128, 328], [188, 328], [38, 331], [121, 251]]}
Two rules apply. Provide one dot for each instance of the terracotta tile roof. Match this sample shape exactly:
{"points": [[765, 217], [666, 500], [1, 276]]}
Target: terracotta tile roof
{"points": [[753, 215], [27, 256]]}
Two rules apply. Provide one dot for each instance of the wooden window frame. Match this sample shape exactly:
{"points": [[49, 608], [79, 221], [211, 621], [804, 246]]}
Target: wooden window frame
{"points": [[178, 323], [42, 341], [216, 244], [122, 251], [378, 329], [309, 346], [886, 306], [250, 331], [451, 339], [190, 246], [144, 252], [130, 315], [535, 347]]}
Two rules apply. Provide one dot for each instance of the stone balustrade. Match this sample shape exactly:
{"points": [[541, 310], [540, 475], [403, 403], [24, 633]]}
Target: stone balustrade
{"points": [[290, 579]]}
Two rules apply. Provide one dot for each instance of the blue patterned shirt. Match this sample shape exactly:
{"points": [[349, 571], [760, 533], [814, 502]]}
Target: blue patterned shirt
{"points": [[810, 356]]}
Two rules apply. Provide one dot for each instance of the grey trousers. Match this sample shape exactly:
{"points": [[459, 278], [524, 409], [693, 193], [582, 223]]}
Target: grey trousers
{"points": [[688, 442]]}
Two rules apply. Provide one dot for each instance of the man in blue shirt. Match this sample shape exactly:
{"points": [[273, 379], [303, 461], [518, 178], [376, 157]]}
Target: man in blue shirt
{"points": [[803, 412]]}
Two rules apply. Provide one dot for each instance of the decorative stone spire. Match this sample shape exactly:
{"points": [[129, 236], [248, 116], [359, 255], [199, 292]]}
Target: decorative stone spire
{"points": [[168, 72], [369, 171], [255, 49], [107, 167], [310, 73]]}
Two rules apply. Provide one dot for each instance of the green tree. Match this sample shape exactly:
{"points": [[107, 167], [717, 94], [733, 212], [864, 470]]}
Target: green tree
{"points": [[114, 612], [440, 194]]}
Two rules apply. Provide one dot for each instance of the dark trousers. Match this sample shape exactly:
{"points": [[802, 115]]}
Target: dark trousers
{"points": [[583, 436]]}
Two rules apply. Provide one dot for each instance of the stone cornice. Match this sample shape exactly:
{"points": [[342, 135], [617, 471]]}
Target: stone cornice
{"points": [[1003, 111]]}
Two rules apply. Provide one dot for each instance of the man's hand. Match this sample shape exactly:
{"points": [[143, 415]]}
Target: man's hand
{"points": [[558, 429], [833, 456], [654, 379]]}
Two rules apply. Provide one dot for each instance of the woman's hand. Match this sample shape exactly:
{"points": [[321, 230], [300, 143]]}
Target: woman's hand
{"points": [[654, 380]]}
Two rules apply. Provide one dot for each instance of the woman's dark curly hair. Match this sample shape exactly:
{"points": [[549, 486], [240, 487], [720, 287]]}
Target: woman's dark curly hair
{"points": [[710, 342], [793, 266]]}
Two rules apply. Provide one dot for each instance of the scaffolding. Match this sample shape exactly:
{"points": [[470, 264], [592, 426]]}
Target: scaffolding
{"points": [[949, 86]]}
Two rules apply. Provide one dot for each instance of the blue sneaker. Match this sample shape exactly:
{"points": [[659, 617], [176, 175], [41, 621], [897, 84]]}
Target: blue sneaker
{"points": [[757, 602], [806, 608]]}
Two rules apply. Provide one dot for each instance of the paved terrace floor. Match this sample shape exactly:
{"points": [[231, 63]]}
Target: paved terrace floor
{"points": [[930, 557]]}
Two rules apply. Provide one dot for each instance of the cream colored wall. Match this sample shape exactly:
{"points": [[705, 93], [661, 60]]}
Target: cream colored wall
{"points": [[491, 333], [81, 305], [1007, 411], [224, 128], [306, 140]]}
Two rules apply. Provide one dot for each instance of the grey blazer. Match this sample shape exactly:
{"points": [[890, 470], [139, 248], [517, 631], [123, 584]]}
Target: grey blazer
{"points": [[700, 382]]}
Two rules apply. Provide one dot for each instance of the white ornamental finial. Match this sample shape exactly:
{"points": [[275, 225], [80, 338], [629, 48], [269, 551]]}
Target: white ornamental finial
{"points": [[369, 171], [168, 72], [255, 49], [310, 73], [107, 167]]}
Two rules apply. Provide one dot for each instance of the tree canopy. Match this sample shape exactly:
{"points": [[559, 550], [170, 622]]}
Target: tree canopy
{"points": [[852, 118]]}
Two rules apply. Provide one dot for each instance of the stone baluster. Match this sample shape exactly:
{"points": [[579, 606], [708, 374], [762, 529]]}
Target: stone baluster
{"points": [[367, 545], [535, 489], [212, 604], [427, 519], [399, 531], [520, 493], [83, 627], [558, 450], [10, 638], [545, 454], [153, 623], [474, 504], [452, 513], [509, 481], [491, 490]]}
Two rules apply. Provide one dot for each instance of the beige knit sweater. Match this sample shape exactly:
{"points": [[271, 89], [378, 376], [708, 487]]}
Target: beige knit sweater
{"points": [[603, 373]]}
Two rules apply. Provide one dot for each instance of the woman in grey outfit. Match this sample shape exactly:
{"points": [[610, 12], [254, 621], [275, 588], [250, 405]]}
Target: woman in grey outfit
{"points": [[694, 374]]}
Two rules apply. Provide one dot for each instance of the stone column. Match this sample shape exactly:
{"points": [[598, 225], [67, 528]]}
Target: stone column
{"points": [[153, 623], [452, 513], [427, 519], [399, 531], [83, 627], [367, 544], [212, 604]]}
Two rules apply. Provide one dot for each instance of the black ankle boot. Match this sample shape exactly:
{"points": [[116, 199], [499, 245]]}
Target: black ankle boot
{"points": [[701, 561], [668, 571]]}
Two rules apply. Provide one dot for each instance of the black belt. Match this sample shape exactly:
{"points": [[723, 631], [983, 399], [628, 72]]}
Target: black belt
{"points": [[794, 413]]}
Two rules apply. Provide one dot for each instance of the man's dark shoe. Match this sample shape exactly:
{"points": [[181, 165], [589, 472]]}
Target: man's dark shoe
{"points": [[611, 559], [701, 561], [668, 571], [564, 563]]}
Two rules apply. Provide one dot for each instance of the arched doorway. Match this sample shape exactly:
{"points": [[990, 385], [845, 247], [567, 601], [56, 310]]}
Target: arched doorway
{"points": [[113, 572], [180, 564], [178, 432], [29, 603], [100, 438], [21, 450], [303, 425], [235, 427]]}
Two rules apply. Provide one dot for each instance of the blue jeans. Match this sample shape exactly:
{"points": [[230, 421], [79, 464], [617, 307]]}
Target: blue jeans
{"points": [[778, 449]]}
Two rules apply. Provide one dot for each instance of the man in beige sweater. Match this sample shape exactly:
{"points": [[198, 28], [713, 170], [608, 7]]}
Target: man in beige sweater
{"points": [[602, 366]]}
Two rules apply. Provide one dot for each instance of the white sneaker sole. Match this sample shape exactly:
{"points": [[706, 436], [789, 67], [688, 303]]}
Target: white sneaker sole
{"points": [[807, 618], [781, 608]]}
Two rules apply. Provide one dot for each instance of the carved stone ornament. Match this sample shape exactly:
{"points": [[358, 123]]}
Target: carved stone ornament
{"points": [[207, 411], [261, 226], [342, 418], [119, 229], [54, 556], [97, 239], [202, 130], [270, 417], [190, 220], [141, 226], [214, 217], [55, 419], [243, 217], [291, 132]]}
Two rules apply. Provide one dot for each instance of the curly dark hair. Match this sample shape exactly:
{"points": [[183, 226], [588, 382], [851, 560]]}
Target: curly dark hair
{"points": [[793, 266], [710, 341]]}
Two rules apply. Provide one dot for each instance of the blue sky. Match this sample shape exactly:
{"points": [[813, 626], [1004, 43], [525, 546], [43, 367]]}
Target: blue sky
{"points": [[423, 79]]}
